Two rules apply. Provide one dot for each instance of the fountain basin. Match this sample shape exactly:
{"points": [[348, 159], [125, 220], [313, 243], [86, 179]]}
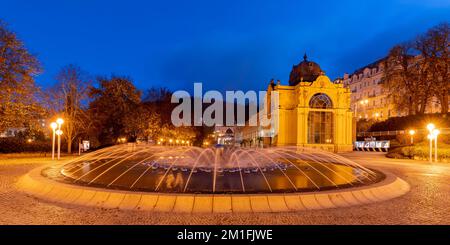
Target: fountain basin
{"points": [[214, 171], [35, 184], [197, 180]]}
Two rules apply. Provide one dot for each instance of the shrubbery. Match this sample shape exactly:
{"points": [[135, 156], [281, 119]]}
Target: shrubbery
{"points": [[13, 145], [420, 151], [414, 121]]}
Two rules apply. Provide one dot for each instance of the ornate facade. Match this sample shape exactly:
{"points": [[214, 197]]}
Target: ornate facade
{"points": [[312, 112]]}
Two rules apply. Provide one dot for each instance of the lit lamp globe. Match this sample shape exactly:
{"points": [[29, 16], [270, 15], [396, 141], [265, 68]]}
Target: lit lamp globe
{"points": [[412, 132], [53, 125], [430, 127], [59, 121], [435, 133]]}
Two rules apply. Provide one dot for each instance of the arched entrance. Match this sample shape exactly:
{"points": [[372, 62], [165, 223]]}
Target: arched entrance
{"points": [[320, 120]]}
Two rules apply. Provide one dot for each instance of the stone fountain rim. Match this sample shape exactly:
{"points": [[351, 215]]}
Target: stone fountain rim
{"points": [[34, 184]]}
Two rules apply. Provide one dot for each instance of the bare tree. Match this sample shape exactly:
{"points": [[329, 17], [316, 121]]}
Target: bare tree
{"points": [[434, 48], [417, 71], [70, 98], [400, 77]]}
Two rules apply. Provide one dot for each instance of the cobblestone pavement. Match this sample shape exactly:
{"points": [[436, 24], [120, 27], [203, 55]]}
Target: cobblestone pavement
{"points": [[428, 202]]}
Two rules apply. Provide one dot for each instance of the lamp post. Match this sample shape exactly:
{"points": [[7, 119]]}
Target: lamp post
{"points": [[430, 137], [435, 134], [411, 133], [53, 125], [59, 132]]}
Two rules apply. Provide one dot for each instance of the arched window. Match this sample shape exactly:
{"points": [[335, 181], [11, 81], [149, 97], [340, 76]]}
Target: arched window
{"points": [[320, 123], [320, 101]]}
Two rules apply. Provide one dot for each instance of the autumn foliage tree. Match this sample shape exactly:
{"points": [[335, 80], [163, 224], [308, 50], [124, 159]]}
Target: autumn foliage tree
{"points": [[19, 104], [112, 102], [142, 122]]}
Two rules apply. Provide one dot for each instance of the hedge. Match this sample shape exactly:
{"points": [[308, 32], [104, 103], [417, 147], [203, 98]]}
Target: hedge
{"points": [[413, 121], [14, 145], [420, 151]]}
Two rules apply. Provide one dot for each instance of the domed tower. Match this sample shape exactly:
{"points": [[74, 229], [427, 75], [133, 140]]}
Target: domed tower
{"points": [[305, 71]]}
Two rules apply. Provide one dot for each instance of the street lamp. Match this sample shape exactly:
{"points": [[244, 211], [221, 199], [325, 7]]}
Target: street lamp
{"points": [[376, 116], [411, 133], [53, 125], [435, 134], [362, 102], [430, 127], [430, 137], [59, 132]]}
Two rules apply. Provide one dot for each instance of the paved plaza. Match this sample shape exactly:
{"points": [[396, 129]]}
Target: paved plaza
{"points": [[426, 203]]}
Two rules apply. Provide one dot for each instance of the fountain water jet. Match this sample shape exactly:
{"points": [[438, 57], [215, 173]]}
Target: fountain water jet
{"points": [[186, 169]]}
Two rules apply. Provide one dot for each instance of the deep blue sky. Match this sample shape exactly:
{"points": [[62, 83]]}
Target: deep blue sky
{"points": [[224, 44]]}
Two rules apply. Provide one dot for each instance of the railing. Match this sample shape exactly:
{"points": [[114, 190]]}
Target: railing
{"points": [[398, 132]]}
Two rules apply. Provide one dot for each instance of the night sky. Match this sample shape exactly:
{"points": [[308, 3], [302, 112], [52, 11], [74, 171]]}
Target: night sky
{"points": [[227, 45]]}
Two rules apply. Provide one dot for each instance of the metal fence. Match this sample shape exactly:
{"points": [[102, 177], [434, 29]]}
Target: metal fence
{"points": [[398, 132]]}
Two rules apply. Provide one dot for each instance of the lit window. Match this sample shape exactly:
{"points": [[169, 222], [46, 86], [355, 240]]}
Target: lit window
{"points": [[320, 101]]}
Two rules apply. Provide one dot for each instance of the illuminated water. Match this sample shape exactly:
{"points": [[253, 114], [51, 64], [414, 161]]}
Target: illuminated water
{"points": [[149, 168]]}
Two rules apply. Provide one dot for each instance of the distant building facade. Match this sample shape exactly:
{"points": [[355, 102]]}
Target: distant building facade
{"points": [[11, 132], [224, 135], [369, 98], [14, 131]]}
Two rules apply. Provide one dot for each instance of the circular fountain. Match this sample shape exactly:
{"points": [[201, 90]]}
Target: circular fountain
{"points": [[307, 178], [214, 170]]}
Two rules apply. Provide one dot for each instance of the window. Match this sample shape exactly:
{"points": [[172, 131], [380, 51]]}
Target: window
{"points": [[320, 127], [320, 123], [320, 101]]}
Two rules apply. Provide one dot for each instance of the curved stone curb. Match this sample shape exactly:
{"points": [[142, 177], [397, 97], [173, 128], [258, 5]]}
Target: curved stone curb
{"points": [[39, 186]]}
